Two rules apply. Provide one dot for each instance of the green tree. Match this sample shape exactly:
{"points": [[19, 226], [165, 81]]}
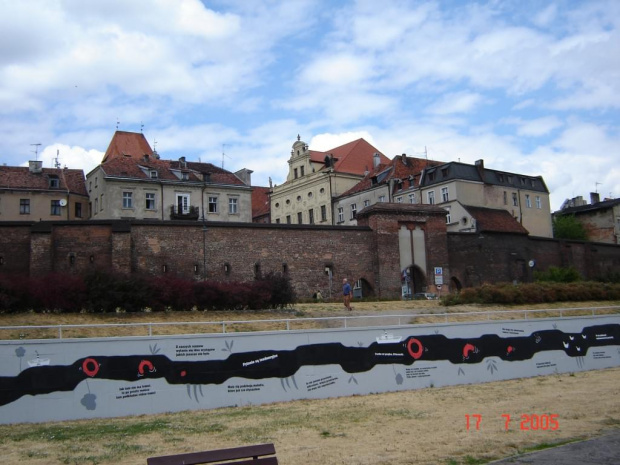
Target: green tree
{"points": [[568, 227]]}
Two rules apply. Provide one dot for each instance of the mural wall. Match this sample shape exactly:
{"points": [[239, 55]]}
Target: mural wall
{"points": [[90, 378]]}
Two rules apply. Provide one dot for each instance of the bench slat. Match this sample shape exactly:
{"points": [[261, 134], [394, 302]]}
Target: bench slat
{"points": [[220, 455]]}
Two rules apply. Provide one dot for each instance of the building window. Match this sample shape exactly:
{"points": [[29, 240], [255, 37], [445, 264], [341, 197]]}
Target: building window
{"points": [[302, 170], [411, 198], [366, 203], [295, 173], [212, 204], [323, 213], [322, 191], [309, 195], [444, 194], [153, 174], [299, 218], [232, 206], [311, 216], [505, 198], [382, 198], [101, 203], [288, 219], [55, 208], [78, 210], [183, 203], [515, 200], [95, 182], [528, 201], [340, 214], [185, 176], [431, 197], [96, 206], [90, 186], [277, 220], [127, 200], [54, 182], [538, 202], [353, 210], [399, 200], [150, 201], [24, 206], [448, 219]]}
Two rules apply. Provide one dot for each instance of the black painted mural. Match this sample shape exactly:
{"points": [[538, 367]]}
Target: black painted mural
{"points": [[263, 364]]}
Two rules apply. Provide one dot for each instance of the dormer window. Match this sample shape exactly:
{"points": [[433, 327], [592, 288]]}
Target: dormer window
{"points": [[444, 172], [54, 182], [153, 174], [185, 176]]}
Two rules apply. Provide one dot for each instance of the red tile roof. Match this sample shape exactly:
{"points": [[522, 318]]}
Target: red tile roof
{"points": [[260, 201], [495, 220], [355, 157], [129, 154], [20, 177], [396, 169], [125, 143]]}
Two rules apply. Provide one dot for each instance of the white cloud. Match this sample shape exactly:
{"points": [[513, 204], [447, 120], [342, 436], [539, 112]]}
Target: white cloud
{"points": [[460, 102], [327, 141], [73, 157], [546, 16], [536, 127]]}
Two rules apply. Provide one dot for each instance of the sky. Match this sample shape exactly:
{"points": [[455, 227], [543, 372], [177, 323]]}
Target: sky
{"points": [[531, 87]]}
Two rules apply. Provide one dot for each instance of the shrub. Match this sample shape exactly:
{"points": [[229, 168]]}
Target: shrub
{"points": [[540, 292], [15, 293], [558, 275], [58, 292]]}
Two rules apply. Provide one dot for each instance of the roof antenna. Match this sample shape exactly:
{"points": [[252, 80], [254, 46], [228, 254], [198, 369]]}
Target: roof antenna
{"points": [[141, 127], [36, 151], [596, 184], [223, 155], [56, 160], [117, 123]]}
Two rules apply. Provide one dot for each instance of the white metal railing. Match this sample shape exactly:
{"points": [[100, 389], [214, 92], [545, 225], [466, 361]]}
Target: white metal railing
{"points": [[344, 321]]}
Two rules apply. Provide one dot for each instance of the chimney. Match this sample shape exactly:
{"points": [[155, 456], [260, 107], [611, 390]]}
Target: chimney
{"points": [[480, 168], [245, 175], [35, 167], [403, 158], [594, 198], [376, 159]]}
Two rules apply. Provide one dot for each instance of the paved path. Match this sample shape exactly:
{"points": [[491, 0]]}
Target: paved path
{"points": [[604, 450]]}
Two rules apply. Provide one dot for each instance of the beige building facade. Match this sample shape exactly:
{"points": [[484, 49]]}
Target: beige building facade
{"points": [[132, 182], [35, 193], [454, 186], [316, 178]]}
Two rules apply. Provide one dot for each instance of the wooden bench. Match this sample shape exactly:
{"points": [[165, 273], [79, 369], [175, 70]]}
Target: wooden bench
{"points": [[246, 455]]}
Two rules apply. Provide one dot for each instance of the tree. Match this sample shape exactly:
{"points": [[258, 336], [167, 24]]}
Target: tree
{"points": [[568, 227]]}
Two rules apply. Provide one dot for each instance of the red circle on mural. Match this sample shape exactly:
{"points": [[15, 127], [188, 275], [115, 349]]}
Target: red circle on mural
{"points": [[183, 373], [418, 353], [90, 367], [147, 364]]}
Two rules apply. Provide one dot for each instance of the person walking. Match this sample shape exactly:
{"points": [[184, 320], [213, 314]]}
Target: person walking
{"points": [[347, 293]]}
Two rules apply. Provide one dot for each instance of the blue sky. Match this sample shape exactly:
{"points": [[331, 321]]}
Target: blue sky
{"points": [[531, 87]]}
